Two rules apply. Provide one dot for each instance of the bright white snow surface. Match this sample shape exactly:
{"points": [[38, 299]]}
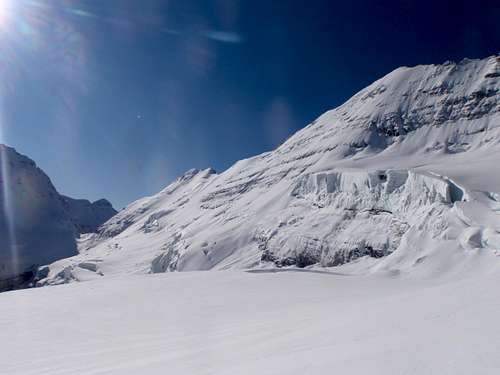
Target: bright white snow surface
{"points": [[235, 322]]}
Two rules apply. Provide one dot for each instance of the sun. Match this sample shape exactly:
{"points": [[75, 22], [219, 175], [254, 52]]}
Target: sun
{"points": [[6, 10]]}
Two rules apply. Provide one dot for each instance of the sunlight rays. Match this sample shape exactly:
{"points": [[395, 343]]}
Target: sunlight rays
{"points": [[6, 8], [6, 202]]}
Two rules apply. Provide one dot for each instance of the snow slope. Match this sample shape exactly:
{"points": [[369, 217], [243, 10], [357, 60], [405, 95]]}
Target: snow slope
{"points": [[37, 225], [235, 322], [401, 179]]}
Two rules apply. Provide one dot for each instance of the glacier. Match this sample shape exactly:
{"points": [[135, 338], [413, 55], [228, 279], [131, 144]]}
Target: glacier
{"points": [[402, 179]]}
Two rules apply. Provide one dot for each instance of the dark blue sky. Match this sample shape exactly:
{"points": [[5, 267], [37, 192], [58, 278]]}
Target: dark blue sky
{"points": [[116, 98]]}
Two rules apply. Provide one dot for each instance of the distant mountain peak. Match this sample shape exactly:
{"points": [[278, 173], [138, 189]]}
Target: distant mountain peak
{"points": [[37, 225]]}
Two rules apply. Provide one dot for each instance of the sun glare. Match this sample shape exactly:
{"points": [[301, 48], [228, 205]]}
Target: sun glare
{"points": [[6, 8]]}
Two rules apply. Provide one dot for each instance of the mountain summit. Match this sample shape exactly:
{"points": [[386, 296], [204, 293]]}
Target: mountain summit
{"points": [[399, 179]]}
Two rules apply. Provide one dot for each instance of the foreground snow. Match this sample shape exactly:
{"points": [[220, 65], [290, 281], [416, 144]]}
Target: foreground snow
{"points": [[253, 323]]}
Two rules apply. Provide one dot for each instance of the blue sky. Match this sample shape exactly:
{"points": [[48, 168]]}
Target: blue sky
{"points": [[116, 98]]}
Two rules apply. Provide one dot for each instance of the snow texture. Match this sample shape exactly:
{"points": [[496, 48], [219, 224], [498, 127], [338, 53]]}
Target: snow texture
{"points": [[267, 323]]}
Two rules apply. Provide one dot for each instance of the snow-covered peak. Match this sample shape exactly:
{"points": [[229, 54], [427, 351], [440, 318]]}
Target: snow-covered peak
{"points": [[37, 225], [398, 177], [88, 216], [34, 227], [404, 101], [409, 98]]}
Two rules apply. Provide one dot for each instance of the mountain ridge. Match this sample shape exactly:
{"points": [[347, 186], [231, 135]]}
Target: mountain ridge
{"points": [[356, 188]]}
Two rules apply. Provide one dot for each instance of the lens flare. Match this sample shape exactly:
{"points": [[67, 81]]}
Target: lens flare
{"points": [[6, 203], [5, 8], [8, 11]]}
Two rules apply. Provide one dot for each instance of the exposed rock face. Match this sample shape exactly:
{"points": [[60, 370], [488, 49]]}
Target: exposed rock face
{"points": [[37, 225], [398, 175]]}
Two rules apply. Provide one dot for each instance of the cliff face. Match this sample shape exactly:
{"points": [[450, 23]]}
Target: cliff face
{"points": [[34, 226], [37, 225]]}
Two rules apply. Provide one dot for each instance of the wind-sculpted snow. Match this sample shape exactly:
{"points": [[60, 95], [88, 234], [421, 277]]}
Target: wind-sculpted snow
{"points": [[400, 179]]}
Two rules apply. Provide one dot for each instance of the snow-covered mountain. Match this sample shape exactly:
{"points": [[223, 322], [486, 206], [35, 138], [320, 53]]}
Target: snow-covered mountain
{"points": [[88, 216], [37, 225], [397, 189], [402, 179]]}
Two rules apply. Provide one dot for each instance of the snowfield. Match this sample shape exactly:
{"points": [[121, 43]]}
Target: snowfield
{"points": [[234, 322]]}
